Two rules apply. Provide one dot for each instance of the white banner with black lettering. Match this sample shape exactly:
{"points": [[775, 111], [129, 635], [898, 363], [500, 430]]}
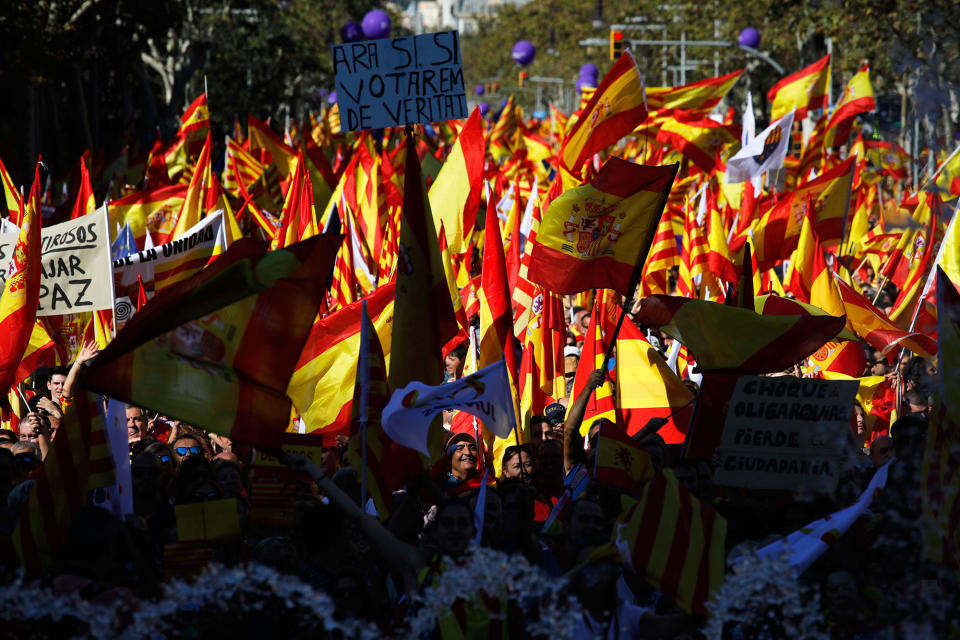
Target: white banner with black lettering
{"points": [[76, 272]]}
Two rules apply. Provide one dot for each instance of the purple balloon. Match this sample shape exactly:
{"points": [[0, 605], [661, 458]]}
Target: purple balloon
{"points": [[524, 52], [479, 89], [376, 24], [332, 97], [351, 32], [484, 108], [589, 70], [749, 37]]}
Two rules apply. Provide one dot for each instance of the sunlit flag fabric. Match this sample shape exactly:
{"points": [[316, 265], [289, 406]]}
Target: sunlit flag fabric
{"points": [[21, 292], [734, 340], [597, 236], [675, 541], [648, 388], [455, 194], [940, 482], [321, 386], [764, 153], [153, 209], [485, 394], [218, 349], [878, 330], [700, 96], [699, 139], [616, 108], [857, 98], [805, 90]]}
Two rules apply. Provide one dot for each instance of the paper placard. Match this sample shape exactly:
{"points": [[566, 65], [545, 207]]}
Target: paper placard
{"points": [[398, 81], [785, 433], [216, 520], [76, 275]]}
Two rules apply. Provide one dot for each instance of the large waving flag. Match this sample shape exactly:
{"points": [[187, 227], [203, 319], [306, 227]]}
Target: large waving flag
{"points": [[79, 461], [321, 386], [21, 292], [616, 108], [298, 218], [675, 541], [218, 349], [153, 210], [804, 91], [485, 394], [730, 339], [455, 194], [621, 462], [597, 236], [764, 152]]}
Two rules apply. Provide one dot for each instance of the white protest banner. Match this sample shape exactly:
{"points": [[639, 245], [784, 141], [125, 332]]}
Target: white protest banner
{"points": [[785, 433], [399, 81], [75, 265], [166, 264], [485, 394]]}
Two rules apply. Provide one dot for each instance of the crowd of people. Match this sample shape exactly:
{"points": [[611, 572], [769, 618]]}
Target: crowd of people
{"points": [[871, 582]]}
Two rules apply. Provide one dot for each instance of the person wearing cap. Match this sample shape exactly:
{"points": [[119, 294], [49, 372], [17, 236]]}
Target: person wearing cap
{"points": [[462, 457]]}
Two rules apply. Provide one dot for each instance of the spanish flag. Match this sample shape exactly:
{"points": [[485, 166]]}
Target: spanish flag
{"points": [[21, 292], [648, 388], [805, 90], [11, 195], [621, 462], [298, 218], [810, 279], [85, 202], [601, 403], [196, 117], [597, 236], [264, 139], [871, 324], [857, 98], [700, 140], [700, 96], [455, 194], [733, 340], [616, 108], [321, 386], [153, 209], [218, 349]]}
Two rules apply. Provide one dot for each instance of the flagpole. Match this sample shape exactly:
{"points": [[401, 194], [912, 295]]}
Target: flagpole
{"points": [[364, 365], [113, 290], [693, 419], [846, 211]]}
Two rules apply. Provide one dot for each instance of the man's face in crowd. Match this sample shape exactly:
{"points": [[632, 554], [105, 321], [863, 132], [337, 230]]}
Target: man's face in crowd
{"points": [[570, 364], [464, 461], [145, 471], [55, 385], [454, 530], [881, 450], [586, 522], [540, 431], [136, 424], [30, 428]]}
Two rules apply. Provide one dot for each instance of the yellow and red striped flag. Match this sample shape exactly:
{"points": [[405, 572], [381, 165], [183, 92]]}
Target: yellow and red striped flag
{"points": [[154, 210], [11, 194], [805, 90], [597, 236], [41, 350], [196, 200], [700, 140], [810, 278], [262, 138], [21, 292], [675, 541], [616, 108], [878, 330], [621, 462], [298, 218], [79, 460]]}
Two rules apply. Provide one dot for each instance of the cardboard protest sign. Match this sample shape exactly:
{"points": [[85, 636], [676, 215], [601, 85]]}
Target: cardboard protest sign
{"points": [[399, 81], [166, 264], [785, 433], [215, 520], [75, 265]]}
